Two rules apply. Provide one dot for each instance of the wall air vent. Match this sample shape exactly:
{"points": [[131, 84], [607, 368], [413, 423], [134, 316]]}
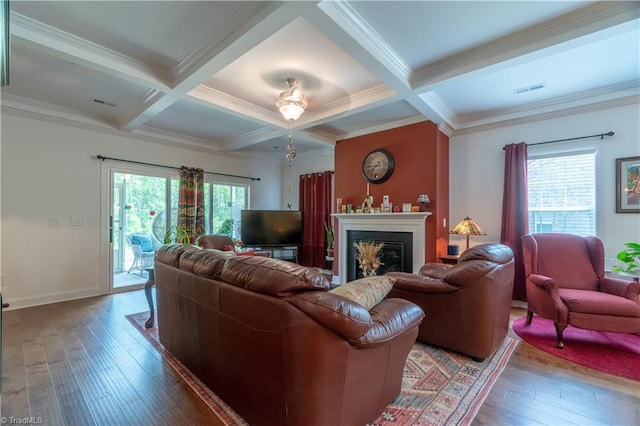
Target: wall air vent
{"points": [[529, 88], [103, 102]]}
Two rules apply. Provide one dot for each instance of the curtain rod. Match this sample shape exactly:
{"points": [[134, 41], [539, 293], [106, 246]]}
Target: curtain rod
{"points": [[601, 136], [102, 157]]}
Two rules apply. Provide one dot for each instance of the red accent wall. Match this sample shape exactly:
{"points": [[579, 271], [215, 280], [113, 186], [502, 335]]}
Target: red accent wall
{"points": [[421, 154]]}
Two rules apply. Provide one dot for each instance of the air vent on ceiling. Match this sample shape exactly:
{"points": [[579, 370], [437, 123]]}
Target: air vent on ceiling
{"points": [[529, 88], [103, 102]]}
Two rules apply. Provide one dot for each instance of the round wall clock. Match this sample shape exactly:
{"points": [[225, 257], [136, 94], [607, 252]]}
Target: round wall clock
{"points": [[377, 166]]}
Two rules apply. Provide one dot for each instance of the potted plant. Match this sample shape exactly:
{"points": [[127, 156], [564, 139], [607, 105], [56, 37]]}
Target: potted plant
{"points": [[177, 234], [329, 237], [630, 259]]}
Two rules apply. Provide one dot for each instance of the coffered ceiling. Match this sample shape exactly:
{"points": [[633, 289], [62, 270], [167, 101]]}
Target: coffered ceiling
{"points": [[207, 73]]}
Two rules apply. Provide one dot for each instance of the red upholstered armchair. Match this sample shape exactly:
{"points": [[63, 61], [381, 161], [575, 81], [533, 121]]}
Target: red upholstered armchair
{"points": [[566, 284]]}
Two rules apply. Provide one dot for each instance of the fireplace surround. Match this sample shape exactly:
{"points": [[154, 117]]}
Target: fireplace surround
{"points": [[413, 223]]}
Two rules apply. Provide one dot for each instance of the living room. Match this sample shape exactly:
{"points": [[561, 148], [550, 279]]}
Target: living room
{"points": [[49, 169]]}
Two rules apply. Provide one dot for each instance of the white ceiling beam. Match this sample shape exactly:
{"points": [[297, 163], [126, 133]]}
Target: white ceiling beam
{"points": [[82, 52], [352, 33], [238, 36], [564, 32]]}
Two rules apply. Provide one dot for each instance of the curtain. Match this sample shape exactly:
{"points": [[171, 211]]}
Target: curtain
{"points": [[515, 211], [191, 201], [315, 205]]}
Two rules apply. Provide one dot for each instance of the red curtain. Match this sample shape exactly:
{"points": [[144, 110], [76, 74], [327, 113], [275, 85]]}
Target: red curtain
{"points": [[315, 205], [515, 210]]}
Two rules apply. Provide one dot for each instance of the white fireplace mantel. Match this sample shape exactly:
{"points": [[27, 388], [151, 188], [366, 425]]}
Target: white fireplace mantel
{"points": [[382, 222]]}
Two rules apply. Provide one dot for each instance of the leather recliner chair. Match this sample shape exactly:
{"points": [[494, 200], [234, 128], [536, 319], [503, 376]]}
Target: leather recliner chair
{"points": [[467, 305]]}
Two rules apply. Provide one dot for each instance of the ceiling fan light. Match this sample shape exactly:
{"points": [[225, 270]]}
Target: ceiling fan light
{"points": [[291, 102], [291, 111]]}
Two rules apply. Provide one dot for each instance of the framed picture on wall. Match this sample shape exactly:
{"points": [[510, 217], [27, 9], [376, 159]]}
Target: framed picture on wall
{"points": [[628, 185]]}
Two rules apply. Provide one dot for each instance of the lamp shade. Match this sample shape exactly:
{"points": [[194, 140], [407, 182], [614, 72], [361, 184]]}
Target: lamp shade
{"points": [[467, 227]]}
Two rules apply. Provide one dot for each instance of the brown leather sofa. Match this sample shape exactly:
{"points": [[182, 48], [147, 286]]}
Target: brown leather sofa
{"points": [[467, 305], [268, 337]]}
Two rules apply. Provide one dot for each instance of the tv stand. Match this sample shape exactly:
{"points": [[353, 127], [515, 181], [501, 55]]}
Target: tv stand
{"points": [[289, 253]]}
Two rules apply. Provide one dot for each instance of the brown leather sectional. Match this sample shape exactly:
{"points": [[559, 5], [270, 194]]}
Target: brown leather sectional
{"points": [[269, 338]]}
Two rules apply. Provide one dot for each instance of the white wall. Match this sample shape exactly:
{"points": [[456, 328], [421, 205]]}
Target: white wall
{"points": [[477, 169], [49, 169]]}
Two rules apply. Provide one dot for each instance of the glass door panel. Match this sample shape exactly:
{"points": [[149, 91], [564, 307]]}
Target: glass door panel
{"points": [[139, 224]]}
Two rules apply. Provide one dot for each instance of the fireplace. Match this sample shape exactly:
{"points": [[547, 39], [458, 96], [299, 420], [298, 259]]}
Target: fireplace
{"points": [[413, 224], [396, 255]]}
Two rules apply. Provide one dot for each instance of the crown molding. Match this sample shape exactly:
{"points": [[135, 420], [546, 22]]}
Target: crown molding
{"points": [[446, 129], [633, 99], [555, 33], [584, 99], [222, 38], [88, 53], [382, 127], [353, 104], [42, 111], [438, 107], [358, 28], [221, 101], [49, 112], [135, 115]]}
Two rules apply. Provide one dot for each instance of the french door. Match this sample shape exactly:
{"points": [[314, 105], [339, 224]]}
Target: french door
{"points": [[141, 205], [138, 220]]}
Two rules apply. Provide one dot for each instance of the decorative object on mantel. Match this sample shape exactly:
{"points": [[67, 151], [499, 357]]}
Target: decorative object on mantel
{"points": [[386, 206], [423, 199], [467, 227], [291, 103], [368, 256], [367, 204]]}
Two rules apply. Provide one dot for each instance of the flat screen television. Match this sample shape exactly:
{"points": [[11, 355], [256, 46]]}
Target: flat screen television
{"points": [[271, 228]]}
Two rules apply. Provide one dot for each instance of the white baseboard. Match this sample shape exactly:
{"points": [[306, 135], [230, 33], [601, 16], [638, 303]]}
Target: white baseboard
{"points": [[63, 296]]}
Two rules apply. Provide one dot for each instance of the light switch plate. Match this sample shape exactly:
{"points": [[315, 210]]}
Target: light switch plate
{"points": [[77, 221]]}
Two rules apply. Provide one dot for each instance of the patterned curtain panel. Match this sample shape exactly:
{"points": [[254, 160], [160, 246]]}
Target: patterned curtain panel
{"points": [[315, 205], [191, 201], [515, 211]]}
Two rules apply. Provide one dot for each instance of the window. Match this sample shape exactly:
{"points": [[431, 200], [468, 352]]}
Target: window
{"points": [[562, 195], [223, 204]]}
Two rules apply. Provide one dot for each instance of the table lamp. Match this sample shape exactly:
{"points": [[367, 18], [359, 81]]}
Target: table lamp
{"points": [[467, 227]]}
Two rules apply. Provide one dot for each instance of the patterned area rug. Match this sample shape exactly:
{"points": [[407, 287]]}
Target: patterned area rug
{"points": [[439, 387]]}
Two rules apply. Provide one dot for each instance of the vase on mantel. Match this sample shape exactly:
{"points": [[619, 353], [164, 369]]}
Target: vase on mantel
{"points": [[369, 273]]}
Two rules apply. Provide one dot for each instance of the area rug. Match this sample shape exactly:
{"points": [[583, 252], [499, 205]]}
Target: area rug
{"points": [[439, 387], [613, 353]]}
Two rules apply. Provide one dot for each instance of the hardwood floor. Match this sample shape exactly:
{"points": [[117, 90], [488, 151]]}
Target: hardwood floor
{"points": [[82, 363]]}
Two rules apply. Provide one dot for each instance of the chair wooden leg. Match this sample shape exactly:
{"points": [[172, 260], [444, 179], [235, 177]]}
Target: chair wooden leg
{"points": [[559, 330], [529, 317]]}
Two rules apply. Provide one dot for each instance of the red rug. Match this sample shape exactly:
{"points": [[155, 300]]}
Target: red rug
{"points": [[613, 353], [438, 387]]}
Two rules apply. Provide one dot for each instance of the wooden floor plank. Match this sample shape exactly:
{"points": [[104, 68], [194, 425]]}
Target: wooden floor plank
{"points": [[86, 364], [106, 412]]}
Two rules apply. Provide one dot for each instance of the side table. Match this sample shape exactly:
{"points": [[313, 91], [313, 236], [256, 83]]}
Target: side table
{"points": [[147, 292], [449, 259]]}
